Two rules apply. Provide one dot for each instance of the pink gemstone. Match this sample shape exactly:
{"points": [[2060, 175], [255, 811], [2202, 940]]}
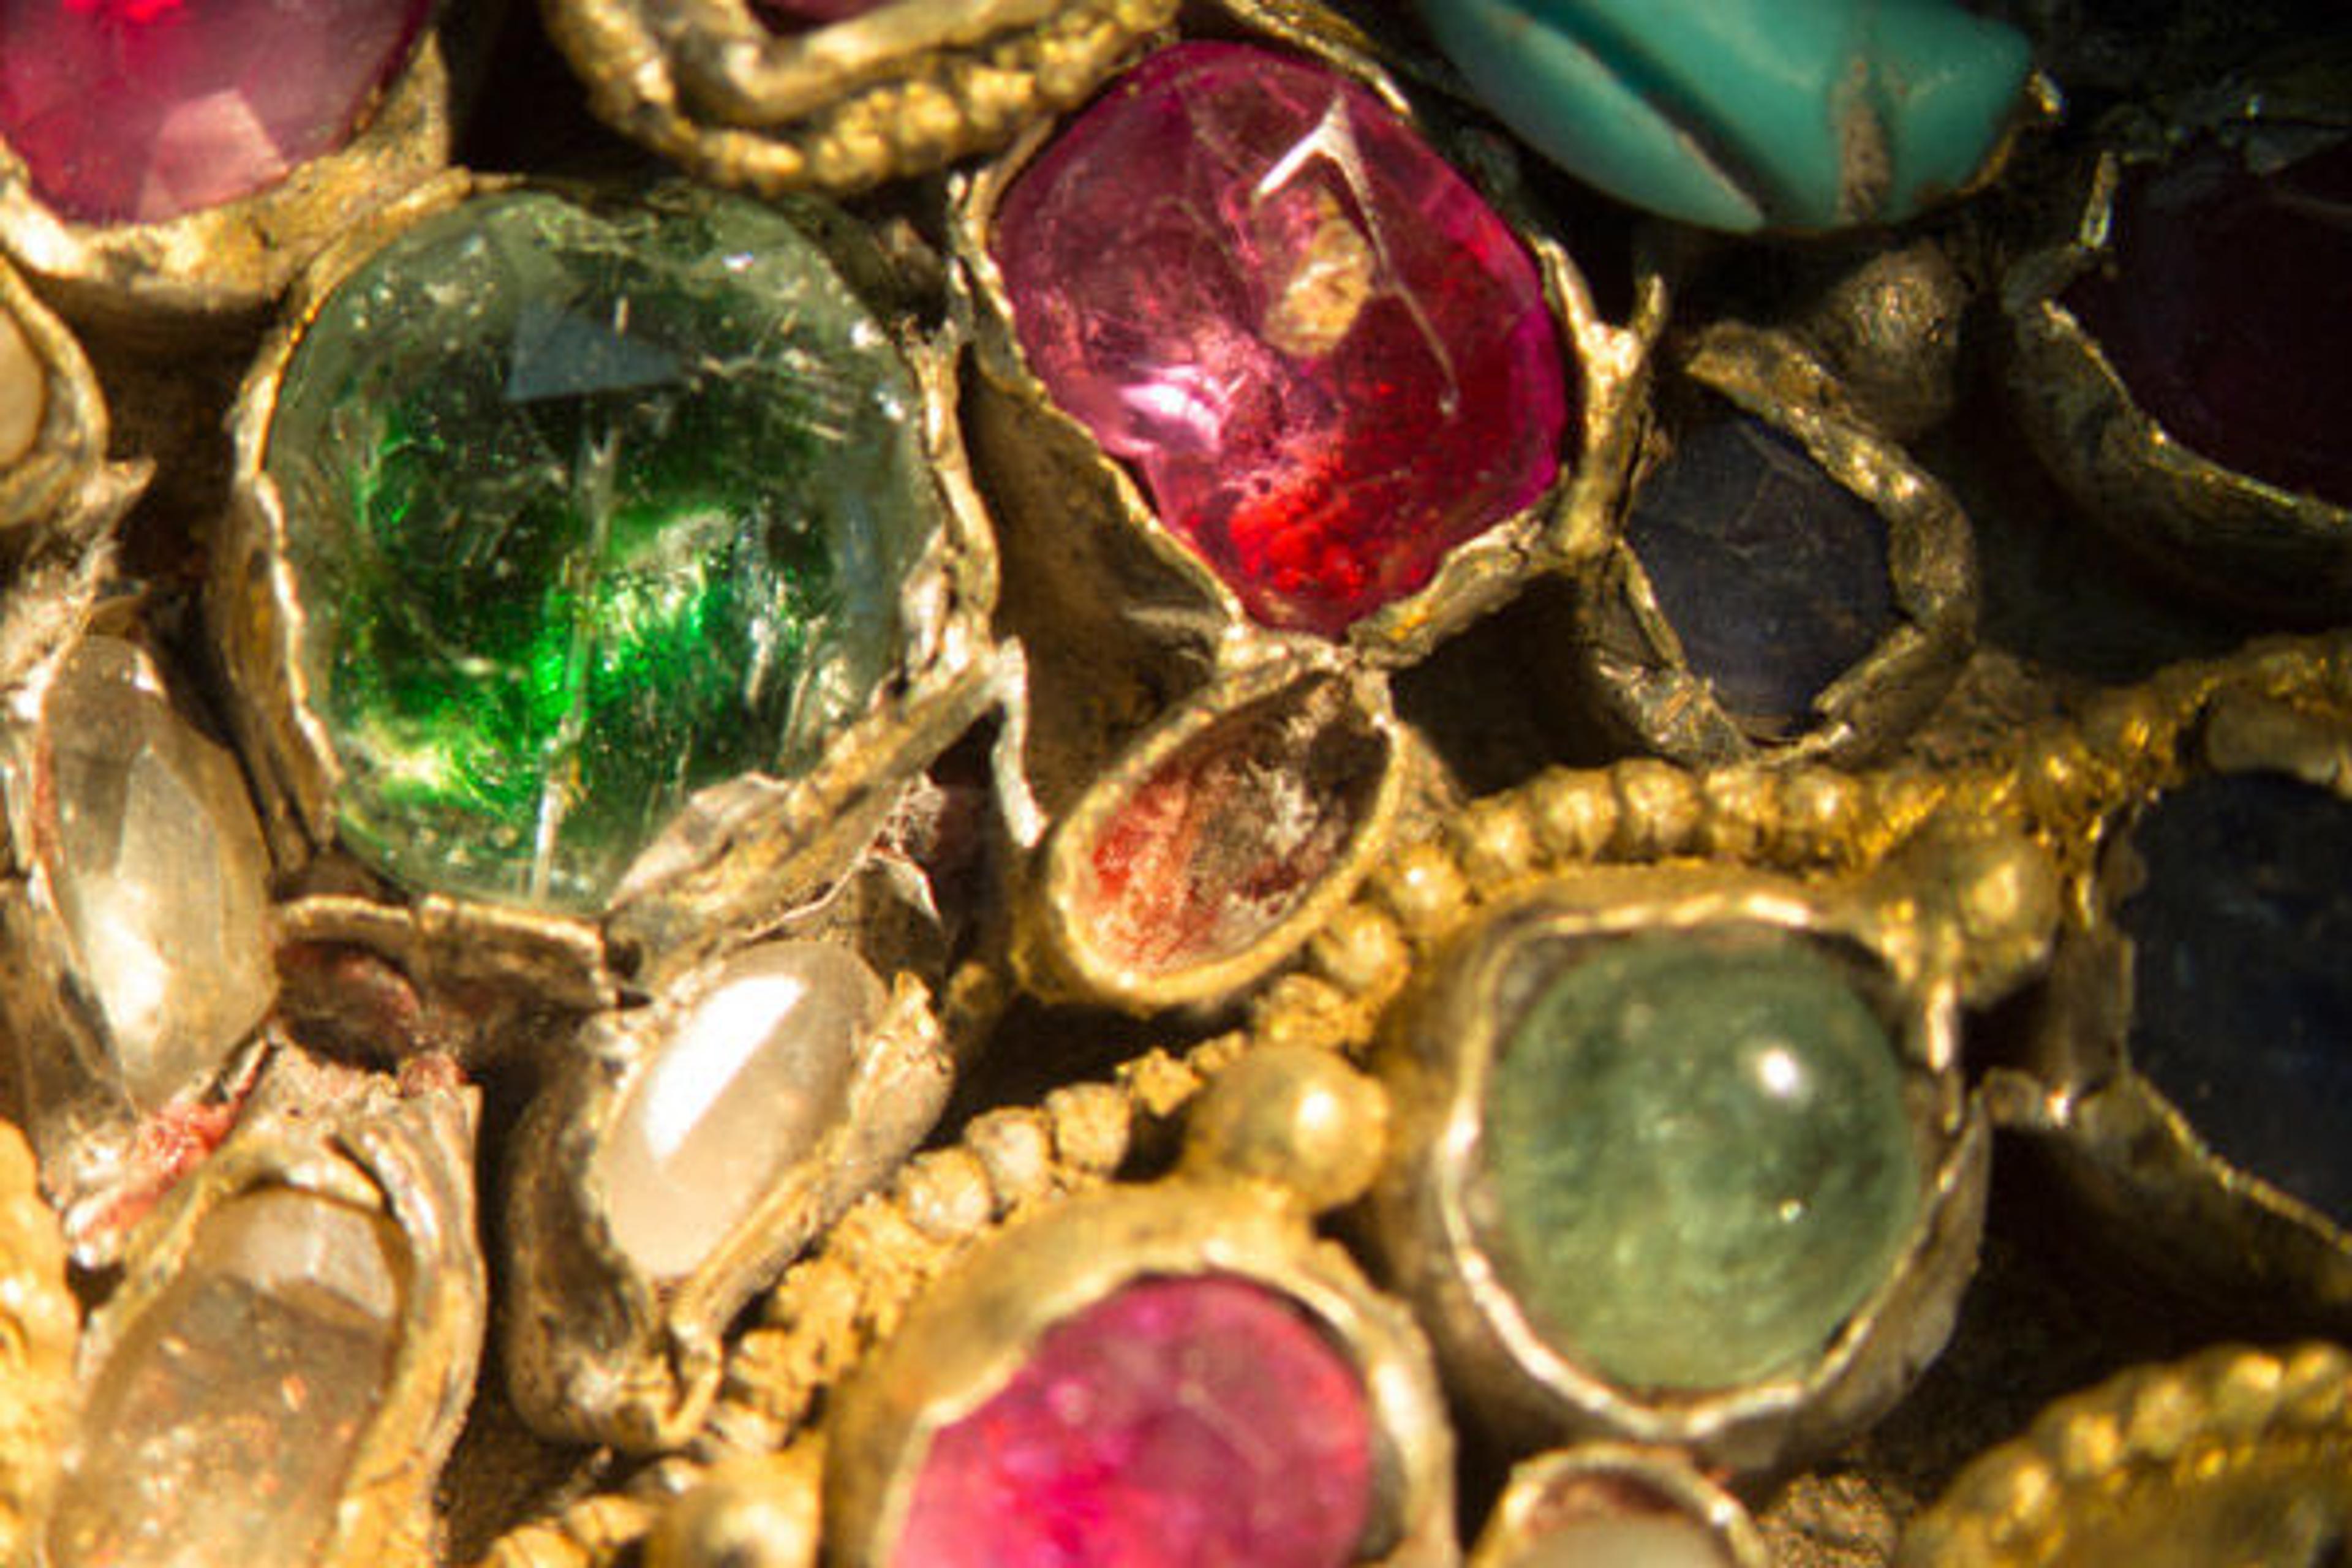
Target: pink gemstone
{"points": [[1182, 1423], [140, 110], [1327, 359], [2226, 309]]}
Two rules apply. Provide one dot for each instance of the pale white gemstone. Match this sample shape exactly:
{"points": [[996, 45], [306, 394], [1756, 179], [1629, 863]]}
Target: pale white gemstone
{"points": [[223, 1427], [24, 391], [1643, 1541], [742, 1089], [158, 871]]}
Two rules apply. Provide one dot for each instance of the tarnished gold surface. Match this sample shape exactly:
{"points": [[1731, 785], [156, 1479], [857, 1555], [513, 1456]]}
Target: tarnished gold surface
{"points": [[741, 855], [217, 270], [1630, 650], [902, 89], [2237, 1456], [64, 480], [39, 1326]]}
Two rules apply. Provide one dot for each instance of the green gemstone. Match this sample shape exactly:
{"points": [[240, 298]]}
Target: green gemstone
{"points": [[1698, 1160], [588, 508]]}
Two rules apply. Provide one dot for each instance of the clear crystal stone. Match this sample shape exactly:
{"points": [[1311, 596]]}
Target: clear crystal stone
{"points": [[1653, 1541], [752, 1075], [223, 1425], [157, 867], [24, 391]]}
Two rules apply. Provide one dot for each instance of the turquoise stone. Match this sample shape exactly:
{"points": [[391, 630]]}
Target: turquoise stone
{"points": [[1747, 114], [1697, 1160], [588, 507]]}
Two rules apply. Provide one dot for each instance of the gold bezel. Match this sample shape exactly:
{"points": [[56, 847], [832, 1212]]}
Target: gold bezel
{"points": [[1612, 1480]]}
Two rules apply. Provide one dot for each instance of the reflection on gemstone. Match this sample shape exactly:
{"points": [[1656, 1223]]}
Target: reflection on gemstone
{"points": [[156, 865], [146, 110], [753, 1075], [1774, 576], [1179, 1421], [1328, 360], [2241, 999], [1698, 1160], [1654, 1541], [2223, 309], [24, 391], [222, 1427], [589, 509]]}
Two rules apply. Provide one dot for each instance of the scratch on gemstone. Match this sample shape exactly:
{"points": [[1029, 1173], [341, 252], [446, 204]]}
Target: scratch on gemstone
{"points": [[594, 469], [1334, 140]]}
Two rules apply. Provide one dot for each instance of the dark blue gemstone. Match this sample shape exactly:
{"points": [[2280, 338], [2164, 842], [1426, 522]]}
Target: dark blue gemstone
{"points": [[2242, 991], [1774, 575]]}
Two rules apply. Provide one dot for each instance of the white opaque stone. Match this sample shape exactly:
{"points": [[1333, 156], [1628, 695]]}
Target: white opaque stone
{"points": [[754, 1073], [24, 391], [158, 870], [223, 1427], [1642, 1540]]}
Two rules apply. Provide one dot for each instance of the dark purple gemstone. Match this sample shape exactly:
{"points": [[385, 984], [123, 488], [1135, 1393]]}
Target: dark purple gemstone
{"points": [[2226, 308], [2242, 989], [1774, 575]]}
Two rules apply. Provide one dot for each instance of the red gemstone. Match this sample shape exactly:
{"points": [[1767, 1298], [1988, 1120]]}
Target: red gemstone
{"points": [[2226, 307], [1328, 358], [140, 110], [1184, 1423]]}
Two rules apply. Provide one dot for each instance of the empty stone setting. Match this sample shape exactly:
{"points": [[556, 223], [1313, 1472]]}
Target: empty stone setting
{"points": [[588, 508], [1327, 358], [1178, 1421], [1697, 1156]]}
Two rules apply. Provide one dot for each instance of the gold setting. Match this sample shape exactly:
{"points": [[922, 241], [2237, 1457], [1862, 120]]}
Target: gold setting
{"points": [[742, 854], [1609, 1480], [2235, 1455], [2212, 529], [220, 269], [904, 89], [63, 479], [39, 1328], [1628, 648]]}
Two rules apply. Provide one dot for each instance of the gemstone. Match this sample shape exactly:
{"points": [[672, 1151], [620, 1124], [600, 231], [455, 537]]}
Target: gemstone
{"points": [[223, 1425], [1744, 114], [589, 507], [1774, 576], [24, 391], [1328, 361], [2222, 309], [140, 110], [2241, 999], [156, 867], [1200, 1420], [752, 1075], [1221, 842], [1698, 1160], [1650, 1540]]}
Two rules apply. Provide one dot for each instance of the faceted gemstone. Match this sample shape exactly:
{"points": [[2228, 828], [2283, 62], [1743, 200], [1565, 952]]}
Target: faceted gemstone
{"points": [[140, 110], [24, 391], [156, 865], [1201, 1422], [752, 1077], [796, 16], [1698, 1161], [1328, 361], [1774, 576], [1224, 839], [2224, 309], [589, 507], [1642, 1540], [222, 1427], [1743, 114], [2241, 994]]}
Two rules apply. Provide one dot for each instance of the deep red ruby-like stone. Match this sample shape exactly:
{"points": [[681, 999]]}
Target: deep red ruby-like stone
{"points": [[2228, 312], [140, 110], [1201, 1422], [1327, 359]]}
